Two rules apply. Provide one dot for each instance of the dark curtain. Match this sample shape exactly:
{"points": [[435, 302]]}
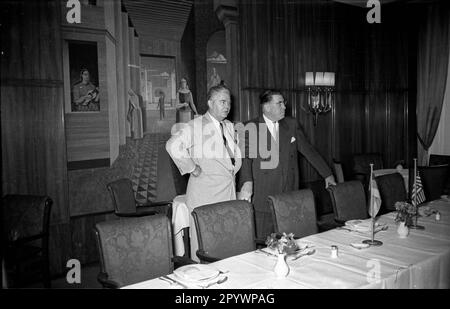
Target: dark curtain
{"points": [[281, 40], [432, 68]]}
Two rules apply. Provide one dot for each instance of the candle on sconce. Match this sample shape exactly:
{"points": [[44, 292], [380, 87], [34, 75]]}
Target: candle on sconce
{"points": [[332, 76], [319, 79], [309, 79], [326, 79]]}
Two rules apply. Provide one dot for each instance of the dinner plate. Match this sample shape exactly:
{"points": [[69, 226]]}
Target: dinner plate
{"points": [[353, 222], [196, 272], [359, 245], [364, 225], [426, 211]]}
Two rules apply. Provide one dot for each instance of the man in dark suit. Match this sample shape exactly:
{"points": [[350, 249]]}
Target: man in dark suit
{"points": [[256, 180]]}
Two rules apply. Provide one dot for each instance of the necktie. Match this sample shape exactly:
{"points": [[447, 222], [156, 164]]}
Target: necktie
{"points": [[275, 130], [230, 153]]}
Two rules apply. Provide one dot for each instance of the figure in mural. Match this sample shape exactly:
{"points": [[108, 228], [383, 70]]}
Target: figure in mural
{"points": [[214, 80], [185, 106], [85, 95], [162, 97], [134, 116]]}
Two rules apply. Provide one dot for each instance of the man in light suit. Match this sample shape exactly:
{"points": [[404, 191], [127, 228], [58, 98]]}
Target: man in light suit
{"points": [[257, 182], [206, 147]]}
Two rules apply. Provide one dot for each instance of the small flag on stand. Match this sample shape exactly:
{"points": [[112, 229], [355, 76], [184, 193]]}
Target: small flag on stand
{"points": [[418, 191], [375, 199]]}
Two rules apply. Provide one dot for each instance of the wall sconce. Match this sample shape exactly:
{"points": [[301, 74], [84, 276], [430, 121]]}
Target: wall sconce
{"points": [[320, 92]]}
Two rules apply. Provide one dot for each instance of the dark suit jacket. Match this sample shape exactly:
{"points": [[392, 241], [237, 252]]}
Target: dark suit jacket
{"points": [[284, 177]]}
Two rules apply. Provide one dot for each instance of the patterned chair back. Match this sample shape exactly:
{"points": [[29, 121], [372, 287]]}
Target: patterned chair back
{"points": [[25, 216], [349, 201], [361, 167], [135, 249], [122, 196], [294, 212], [392, 189], [225, 229]]}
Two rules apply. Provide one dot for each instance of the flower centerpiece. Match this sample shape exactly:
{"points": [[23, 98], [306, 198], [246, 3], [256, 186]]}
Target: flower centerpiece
{"points": [[283, 244], [405, 212]]}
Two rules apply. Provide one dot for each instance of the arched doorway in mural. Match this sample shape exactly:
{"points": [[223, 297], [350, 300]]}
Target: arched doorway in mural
{"points": [[216, 61], [158, 90]]}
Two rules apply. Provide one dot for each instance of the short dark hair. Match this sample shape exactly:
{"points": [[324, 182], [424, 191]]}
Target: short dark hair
{"points": [[215, 89], [267, 95]]}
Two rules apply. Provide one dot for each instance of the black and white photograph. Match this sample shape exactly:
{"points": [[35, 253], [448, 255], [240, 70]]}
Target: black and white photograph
{"points": [[240, 149]]}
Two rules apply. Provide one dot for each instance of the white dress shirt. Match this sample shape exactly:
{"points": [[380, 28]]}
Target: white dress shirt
{"points": [[230, 139], [272, 126]]}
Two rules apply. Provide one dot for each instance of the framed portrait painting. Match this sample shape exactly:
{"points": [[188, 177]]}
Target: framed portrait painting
{"points": [[83, 68]]}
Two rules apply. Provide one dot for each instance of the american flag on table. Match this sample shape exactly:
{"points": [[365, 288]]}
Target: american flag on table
{"points": [[418, 190]]}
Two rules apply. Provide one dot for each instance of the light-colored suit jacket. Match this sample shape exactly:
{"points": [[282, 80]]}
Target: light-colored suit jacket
{"points": [[199, 142]]}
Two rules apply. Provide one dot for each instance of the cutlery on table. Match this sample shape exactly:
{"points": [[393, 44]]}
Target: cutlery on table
{"points": [[216, 282], [172, 281], [264, 252]]}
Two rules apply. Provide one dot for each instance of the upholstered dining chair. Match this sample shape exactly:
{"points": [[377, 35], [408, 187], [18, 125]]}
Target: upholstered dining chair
{"points": [[224, 229], [134, 249], [323, 205], [441, 160], [361, 166], [294, 212], [392, 189], [349, 201], [26, 223], [338, 171], [433, 180], [125, 205]]}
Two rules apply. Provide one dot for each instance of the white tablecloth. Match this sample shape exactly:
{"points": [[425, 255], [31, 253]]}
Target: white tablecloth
{"points": [[422, 260], [403, 172], [181, 218]]}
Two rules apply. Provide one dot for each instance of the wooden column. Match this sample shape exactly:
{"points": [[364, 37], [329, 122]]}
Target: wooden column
{"points": [[126, 69], [137, 65], [227, 13], [111, 80], [121, 91], [132, 56]]}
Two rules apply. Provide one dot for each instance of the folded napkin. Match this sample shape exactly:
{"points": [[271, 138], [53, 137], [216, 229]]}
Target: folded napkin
{"points": [[196, 272], [364, 225], [200, 283], [445, 198], [197, 275], [302, 248]]}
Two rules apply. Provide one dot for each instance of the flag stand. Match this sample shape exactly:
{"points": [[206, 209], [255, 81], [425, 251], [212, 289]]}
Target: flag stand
{"points": [[372, 241], [414, 226]]}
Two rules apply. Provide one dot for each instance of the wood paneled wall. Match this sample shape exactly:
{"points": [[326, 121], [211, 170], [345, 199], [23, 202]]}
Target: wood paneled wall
{"points": [[372, 64], [33, 142], [32, 112]]}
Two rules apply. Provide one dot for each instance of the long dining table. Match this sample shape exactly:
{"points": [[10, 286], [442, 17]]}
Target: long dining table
{"points": [[421, 260]]}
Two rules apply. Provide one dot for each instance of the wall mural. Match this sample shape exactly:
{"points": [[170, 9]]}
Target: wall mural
{"points": [[216, 63], [83, 63], [158, 84]]}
